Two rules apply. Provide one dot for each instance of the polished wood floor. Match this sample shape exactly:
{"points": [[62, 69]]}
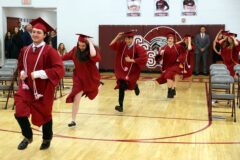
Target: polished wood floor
{"points": [[151, 127]]}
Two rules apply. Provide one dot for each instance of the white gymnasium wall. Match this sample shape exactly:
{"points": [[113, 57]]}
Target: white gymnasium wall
{"points": [[84, 16], [31, 13], [15, 8]]}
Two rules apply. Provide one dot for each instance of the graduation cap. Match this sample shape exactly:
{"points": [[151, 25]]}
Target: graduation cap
{"points": [[39, 23], [188, 35], [225, 32], [130, 33], [232, 34], [82, 37], [171, 34]]}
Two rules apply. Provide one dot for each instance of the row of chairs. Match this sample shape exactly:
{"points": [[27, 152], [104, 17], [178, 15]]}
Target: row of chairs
{"points": [[222, 88], [68, 73], [9, 79]]}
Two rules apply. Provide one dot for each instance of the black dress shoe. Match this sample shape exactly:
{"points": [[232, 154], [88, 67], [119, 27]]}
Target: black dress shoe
{"points": [[72, 124], [170, 93], [119, 108], [174, 92], [196, 74], [137, 91], [24, 143], [45, 144], [205, 74]]}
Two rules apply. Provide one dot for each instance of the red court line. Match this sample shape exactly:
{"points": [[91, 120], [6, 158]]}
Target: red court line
{"points": [[149, 140], [149, 78], [118, 115], [3, 130]]}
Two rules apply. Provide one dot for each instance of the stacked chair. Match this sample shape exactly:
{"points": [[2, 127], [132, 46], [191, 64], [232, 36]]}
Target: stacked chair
{"points": [[68, 73], [221, 88], [237, 80], [8, 77]]}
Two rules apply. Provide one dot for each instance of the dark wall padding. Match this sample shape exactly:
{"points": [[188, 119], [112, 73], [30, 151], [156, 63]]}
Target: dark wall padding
{"points": [[108, 32]]}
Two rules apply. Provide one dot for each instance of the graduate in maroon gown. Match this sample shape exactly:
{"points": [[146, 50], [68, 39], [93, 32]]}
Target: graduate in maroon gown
{"points": [[188, 65], [173, 56], [230, 48], [86, 77], [40, 70], [130, 59]]}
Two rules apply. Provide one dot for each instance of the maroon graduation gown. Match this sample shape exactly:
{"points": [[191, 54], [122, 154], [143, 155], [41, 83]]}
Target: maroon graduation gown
{"points": [[230, 57], [86, 76], [189, 63], [137, 53], [51, 63], [170, 65]]}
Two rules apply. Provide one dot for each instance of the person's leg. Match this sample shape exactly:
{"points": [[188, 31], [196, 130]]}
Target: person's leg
{"points": [[176, 79], [197, 62], [47, 135], [75, 107], [190, 79], [136, 90], [26, 132], [170, 85], [205, 58], [122, 88]]}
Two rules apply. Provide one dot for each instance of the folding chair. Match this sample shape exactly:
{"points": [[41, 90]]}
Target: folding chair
{"points": [[217, 66], [237, 69], [68, 66], [222, 79], [9, 77], [11, 61]]}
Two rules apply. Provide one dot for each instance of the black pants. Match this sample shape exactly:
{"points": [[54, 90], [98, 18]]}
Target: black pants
{"points": [[122, 88], [27, 130]]}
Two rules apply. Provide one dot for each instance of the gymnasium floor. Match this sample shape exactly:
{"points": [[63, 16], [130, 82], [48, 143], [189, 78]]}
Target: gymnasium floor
{"points": [[151, 127]]}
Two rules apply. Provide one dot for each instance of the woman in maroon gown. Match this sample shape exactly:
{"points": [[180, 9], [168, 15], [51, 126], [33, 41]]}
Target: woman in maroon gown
{"points": [[173, 56], [86, 77], [230, 48], [188, 65]]}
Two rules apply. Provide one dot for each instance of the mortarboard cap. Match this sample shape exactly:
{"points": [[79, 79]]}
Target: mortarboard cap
{"points": [[232, 34], [171, 35], [82, 37], [130, 33], [39, 23], [225, 32]]}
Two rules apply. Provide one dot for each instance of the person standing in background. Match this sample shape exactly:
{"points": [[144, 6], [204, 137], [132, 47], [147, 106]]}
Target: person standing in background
{"points": [[61, 49], [8, 44], [26, 36], [17, 43], [202, 42], [53, 42], [19, 25]]}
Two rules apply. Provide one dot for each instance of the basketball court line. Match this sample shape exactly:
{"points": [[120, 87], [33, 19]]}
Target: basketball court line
{"points": [[142, 140]]}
